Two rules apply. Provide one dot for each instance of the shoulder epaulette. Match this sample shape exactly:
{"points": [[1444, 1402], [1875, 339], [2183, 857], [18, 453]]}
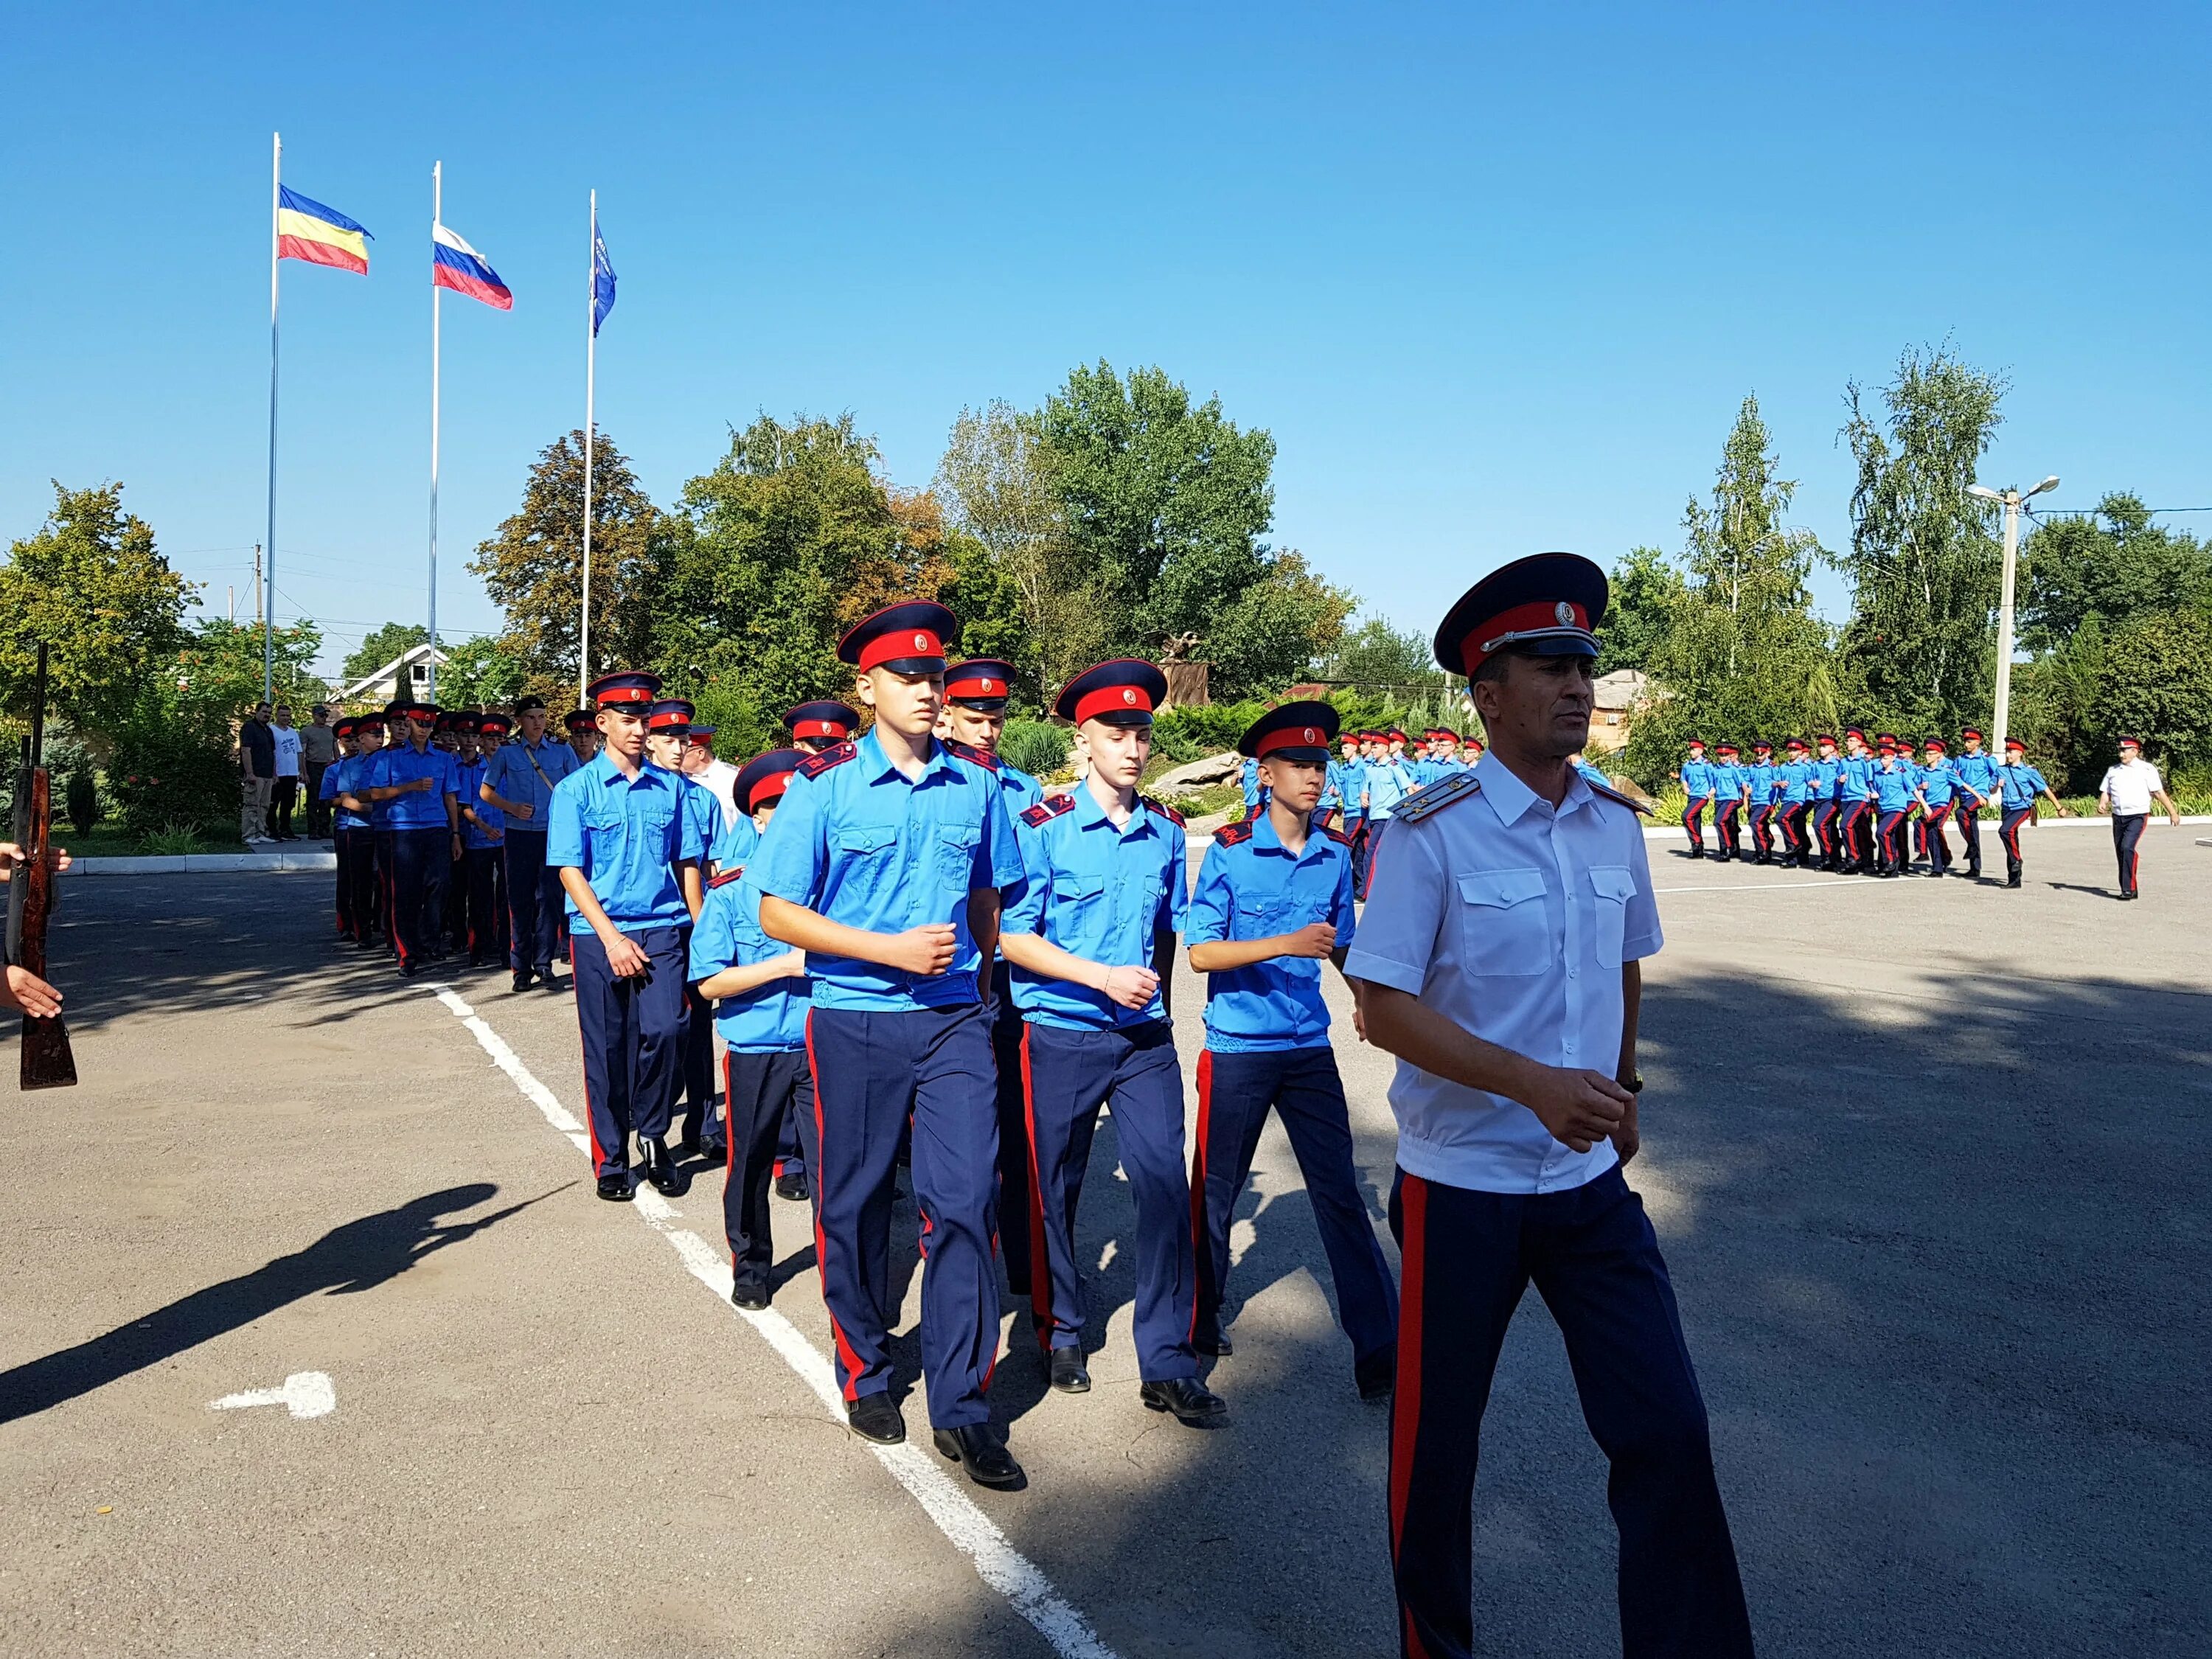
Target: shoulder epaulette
{"points": [[1047, 809], [726, 876], [1234, 832], [1163, 809], [969, 752], [1614, 795], [814, 766], [1431, 798]]}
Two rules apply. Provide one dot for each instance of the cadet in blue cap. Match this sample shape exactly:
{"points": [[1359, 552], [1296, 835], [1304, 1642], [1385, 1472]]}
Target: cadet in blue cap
{"points": [[1759, 785], [1855, 813], [761, 1012], [518, 781], [1732, 791], [1092, 943], [1698, 784], [1827, 779], [1976, 775], [885, 864], [361, 908], [629, 853], [2018, 786], [822, 724], [976, 693], [1499, 960], [1793, 782], [1892, 799], [667, 736], [1938, 786], [1344, 794], [1273, 901], [484, 847], [1390, 778], [420, 787]]}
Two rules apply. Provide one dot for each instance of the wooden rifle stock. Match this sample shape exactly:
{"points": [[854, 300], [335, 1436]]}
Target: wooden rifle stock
{"points": [[47, 1061]]}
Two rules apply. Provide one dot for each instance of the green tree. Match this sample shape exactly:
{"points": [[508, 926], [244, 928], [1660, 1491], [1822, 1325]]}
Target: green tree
{"points": [[381, 645], [1377, 658], [1925, 558], [1743, 657], [479, 673], [91, 585], [2109, 567], [1645, 589], [533, 565], [219, 664]]}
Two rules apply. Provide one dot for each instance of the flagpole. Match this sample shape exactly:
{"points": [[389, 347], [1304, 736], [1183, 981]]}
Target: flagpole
{"points": [[437, 218], [269, 609], [590, 368]]}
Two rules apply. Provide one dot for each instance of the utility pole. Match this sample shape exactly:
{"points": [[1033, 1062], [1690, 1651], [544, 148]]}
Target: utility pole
{"points": [[256, 584], [2011, 500], [231, 592]]}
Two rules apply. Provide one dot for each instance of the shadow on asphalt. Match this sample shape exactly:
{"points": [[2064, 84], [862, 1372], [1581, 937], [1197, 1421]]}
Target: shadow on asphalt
{"points": [[1942, 1256], [360, 1255]]}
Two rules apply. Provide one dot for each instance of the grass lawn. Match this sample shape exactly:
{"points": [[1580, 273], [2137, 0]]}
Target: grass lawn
{"points": [[112, 840]]}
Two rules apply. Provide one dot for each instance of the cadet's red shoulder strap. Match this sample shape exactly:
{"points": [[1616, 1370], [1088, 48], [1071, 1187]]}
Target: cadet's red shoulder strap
{"points": [[1047, 809], [815, 765], [1163, 809]]}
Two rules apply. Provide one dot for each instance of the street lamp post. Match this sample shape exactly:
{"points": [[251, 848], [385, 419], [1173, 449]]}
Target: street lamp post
{"points": [[2010, 499]]}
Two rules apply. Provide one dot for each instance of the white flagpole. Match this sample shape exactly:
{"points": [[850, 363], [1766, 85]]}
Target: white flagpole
{"points": [[591, 367], [269, 609], [437, 218]]}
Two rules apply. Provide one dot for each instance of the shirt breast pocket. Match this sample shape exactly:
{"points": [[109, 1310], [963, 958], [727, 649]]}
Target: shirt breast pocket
{"points": [[1255, 914], [1503, 930], [956, 855], [868, 857], [1078, 898], [1611, 887]]}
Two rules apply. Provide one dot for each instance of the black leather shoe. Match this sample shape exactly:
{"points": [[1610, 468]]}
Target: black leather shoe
{"points": [[408, 970], [1377, 1374], [751, 1293], [614, 1188], [978, 1448], [1218, 1344], [1190, 1400], [714, 1151], [1068, 1374], [549, 982], [792, 1188], [523, 979], [660, 1168], [875, 1417], [2015, 882]]}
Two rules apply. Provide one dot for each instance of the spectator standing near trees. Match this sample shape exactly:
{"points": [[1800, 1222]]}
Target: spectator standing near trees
{"points": [[2126, 793], [284, 789], [319, 748], [257, 760]]}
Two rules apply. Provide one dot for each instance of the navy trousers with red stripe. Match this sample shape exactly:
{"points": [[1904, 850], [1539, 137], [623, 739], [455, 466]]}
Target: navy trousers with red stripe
{"points": [[872, 1072], [2009, 833], [633, 1032], [1006, 1028], [2127, 844], [1934, 842], [1469, 1256], [762, 1090], [1234, 1093], [1823, 830], [1693, 816], [1968, 815], [1855, 831], [422, 866], [1067, 1076]]}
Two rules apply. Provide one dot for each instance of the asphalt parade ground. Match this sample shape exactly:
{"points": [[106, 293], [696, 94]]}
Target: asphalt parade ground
{"points": [[317, 1341]]}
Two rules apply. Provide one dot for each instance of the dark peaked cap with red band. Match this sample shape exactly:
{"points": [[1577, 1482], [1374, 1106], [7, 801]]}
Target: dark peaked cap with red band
{"points": [[1122, 692], [634, 690], [908, 639], [578, 720], [670, 715], [981, 684], [1294, 731], [765, 777], [826, 719], [1546, 605]]}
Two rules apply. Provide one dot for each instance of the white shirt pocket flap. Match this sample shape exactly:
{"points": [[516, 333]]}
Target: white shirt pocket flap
{"points": [[1499, 889], [1613, 881]]}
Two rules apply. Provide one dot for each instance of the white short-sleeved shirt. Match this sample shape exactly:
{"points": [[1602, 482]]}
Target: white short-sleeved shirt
{"points": [[722, 778], [1511, 919], [2130, 785], [287, 750]]}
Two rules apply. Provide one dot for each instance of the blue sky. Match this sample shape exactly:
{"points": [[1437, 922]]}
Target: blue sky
{"points": [[1496, 279]]}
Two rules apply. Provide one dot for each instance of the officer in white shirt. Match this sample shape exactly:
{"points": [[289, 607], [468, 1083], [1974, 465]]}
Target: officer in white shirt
{"points": [[2127, 792], [1497, 959]]}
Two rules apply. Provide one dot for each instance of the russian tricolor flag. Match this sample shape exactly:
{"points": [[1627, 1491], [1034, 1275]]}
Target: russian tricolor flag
{"points": [[456, 265]]}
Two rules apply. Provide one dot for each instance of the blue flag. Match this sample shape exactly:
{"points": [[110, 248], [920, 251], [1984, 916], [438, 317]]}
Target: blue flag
{"points": [[603, 278]]}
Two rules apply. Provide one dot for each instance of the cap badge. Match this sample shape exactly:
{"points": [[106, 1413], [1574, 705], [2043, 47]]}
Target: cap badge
{"points": [[1565, 613], [1311, 735], [921, 641], [1129, 693]]}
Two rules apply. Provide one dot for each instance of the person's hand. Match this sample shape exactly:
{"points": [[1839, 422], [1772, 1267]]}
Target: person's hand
{"points": [[626, 957], [1579, 1109], [1315, 938], [1359, 1012], [523, 812], [58, 858], [794, 965], [418, 785], [2174, 817], [1132, 989], [26, 990], [1625, 1140], [927, 950]]}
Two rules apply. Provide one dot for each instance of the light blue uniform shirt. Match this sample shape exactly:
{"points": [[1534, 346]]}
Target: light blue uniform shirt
{"points": [[489, 822], [706, 812], [425, 809], [1826, 776], [1247, 780], [1589, 774], [855, 842], [626, 836], [1857, 778], [343, 778], [1893, 788], [1762, 777], [2021, 785], [1389, 783], [1350, 782], [1977, 772], [733, 843], [1016, 788], [1098, 892], [1698, 781], [1796, 779], [1250, 887], [1727, 781], [511, 775], [1937, 785], [770, 1019]]}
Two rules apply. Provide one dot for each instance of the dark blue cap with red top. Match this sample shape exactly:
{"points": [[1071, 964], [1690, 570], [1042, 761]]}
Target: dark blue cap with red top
{"points": [[763, 778], [670, 715], [1546, 605], [982, 683], [1296, 732], [1122, 692], [908, 638], [634, 690], [498, 725], [701, 733], [826, 719], [578, 720]]}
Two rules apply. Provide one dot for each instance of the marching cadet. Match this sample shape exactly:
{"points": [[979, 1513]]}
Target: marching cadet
{"points": [[483, 853], [518, 783], [1976, 775], [1391, 779], [1247, 780], [420, 785], [667, 739], [1700, 782], [342, 741], [1343, 796], [1893, 798], [1827, 779], [1760, 783], [2018, 784], [975, 719], [717, 777], [2126, 793], [1794, 781], [885, 864], [823, 724], [1854, 818], [628, 855], [583, 734], [1500, 958], [1937, 788], [456, 736], [760, 992], [1273, 901], [1731, 788], [353, 828], [1092, 943]]}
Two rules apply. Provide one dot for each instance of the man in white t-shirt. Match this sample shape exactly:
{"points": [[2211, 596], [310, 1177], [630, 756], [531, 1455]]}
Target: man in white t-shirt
{"points": [[2127, 792], [286, 795], [719, 776]]}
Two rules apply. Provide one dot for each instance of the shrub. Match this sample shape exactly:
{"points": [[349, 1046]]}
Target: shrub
{"points": [[1036, 747], [172, 773], [171, 840], [1192, 732], [84, 801]]}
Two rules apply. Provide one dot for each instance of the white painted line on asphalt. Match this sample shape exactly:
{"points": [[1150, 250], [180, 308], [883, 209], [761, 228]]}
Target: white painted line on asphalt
{"points": [[304, 1394], [1842, 882], [971, 1532]]}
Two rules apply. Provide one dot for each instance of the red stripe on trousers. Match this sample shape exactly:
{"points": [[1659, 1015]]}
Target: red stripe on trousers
{"points": [[821, 1239], [1040, 1259], [1406, 1403], [730, 1141], [1200, 1237], [591, 1129]]}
